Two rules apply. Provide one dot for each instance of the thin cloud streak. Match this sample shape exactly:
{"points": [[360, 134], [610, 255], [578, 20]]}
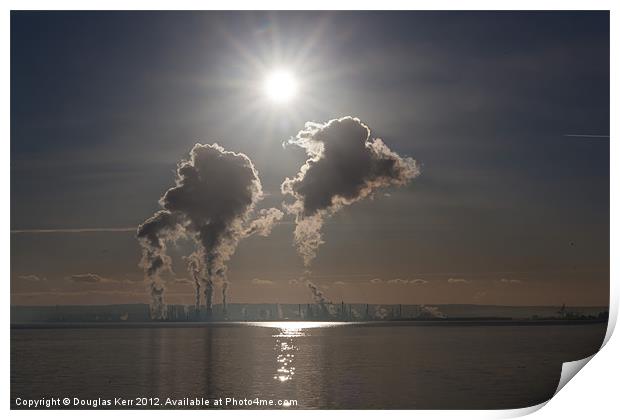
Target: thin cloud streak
{"points": [[98, 230], [77, 230]]}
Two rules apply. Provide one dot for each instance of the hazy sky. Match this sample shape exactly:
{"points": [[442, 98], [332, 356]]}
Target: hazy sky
{"points": [[509, 208]]}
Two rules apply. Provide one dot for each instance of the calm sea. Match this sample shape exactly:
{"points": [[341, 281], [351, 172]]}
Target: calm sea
{"points": [[320, 365]]}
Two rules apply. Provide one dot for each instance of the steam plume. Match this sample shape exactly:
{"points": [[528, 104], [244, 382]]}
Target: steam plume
{"points": [[320, 299], [264, 223], [212, 202], [344, 165], [153, 235], [194, 267]]}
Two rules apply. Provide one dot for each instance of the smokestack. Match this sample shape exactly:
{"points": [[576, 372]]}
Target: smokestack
{"points": [[209, 298], [224, 305], [157, 307], [194, 267]]}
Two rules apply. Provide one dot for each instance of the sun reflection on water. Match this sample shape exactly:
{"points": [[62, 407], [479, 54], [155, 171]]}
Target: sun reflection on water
{"points": [[286, 337], [295, 325], [285, 350]]}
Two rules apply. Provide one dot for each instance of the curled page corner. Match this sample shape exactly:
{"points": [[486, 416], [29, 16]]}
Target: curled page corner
{"points": [[570, 369], [520, 412], [611, 322]]}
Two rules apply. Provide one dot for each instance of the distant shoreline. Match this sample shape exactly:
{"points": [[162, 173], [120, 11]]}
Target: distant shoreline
{"points": [[487, 305], [278, 324]]}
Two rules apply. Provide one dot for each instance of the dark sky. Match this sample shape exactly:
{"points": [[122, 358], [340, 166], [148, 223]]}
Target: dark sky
{"points": [[508, 209]]}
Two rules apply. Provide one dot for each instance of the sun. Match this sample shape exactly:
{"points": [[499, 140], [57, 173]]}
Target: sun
{"points": [[280, 86]]}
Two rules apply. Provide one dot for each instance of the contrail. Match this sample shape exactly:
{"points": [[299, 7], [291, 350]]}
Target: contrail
{"points": [[76, 230], [593, 136]]}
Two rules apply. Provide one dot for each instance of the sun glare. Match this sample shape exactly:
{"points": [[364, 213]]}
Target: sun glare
{"points": [[280, 86]]}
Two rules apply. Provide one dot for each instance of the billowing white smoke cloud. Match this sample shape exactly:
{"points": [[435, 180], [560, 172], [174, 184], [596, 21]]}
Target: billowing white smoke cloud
{"points": [[344, 165], [212, 202]]}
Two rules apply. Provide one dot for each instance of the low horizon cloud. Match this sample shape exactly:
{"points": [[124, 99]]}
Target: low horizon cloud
{"points": [[32, 278], [90, 278], [262, 282], [399, 281], [458, 281], [511, 281]]}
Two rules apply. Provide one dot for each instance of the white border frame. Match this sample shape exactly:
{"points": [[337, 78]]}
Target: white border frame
{"points": [[591, 395]]}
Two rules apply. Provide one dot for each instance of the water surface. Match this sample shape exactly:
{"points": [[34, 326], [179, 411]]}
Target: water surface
{"points": [[321, 365]]}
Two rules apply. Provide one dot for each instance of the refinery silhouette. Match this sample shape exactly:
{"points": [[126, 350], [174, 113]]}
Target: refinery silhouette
{"points": [[325, 311]]}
